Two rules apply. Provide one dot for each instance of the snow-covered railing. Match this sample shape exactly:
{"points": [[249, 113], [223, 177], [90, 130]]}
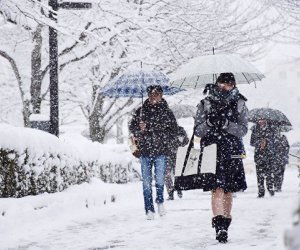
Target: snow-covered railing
{"points": [[33, 162]]}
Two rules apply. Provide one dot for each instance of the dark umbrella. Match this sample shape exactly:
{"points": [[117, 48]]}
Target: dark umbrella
{"points": [[286, 128], [272, 115]]}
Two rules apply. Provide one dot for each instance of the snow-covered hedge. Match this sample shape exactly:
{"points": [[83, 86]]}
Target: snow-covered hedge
{"points": [[33, 162]]}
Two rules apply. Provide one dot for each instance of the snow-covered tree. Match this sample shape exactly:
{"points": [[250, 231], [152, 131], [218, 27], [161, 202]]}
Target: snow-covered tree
{"points": [[289, 11], [114, 36], [24, 44], [163, 35]]}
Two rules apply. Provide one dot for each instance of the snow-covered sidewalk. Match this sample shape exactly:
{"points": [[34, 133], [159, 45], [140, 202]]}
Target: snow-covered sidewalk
{"points": [[85, 217]]}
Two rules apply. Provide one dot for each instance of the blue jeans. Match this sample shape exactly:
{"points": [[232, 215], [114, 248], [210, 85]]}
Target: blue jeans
{"points": [[159, 163]]}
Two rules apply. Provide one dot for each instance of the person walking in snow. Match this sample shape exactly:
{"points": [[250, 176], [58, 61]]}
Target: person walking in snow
{"points": [[222, 118], [180, 140], [154, 127], [263, 139], [281, 159]]}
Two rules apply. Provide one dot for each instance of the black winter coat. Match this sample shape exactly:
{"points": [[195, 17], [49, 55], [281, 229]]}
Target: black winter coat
{"points": [[282, 150], [230, 174], [267, 155], [161, 128]]}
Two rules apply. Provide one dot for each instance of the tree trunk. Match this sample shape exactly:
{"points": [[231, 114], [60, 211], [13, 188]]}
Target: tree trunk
{"points": [[120, 135], [97, 133], [26, 113], [36, 80]]}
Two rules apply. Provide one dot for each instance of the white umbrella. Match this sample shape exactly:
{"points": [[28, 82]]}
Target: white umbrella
{"points": [[202, 70]]}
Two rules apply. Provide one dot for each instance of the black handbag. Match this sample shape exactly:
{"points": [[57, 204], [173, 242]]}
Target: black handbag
{"points": [[193, 170]]}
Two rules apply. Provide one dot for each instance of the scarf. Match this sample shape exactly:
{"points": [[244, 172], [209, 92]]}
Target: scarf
{"points": [[221, 96]]}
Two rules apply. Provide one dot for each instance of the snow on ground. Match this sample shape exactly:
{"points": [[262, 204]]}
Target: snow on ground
{"points": [[84, 217]]}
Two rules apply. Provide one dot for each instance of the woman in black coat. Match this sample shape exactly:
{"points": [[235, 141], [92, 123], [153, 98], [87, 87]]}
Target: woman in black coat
{"points": [[222, 118]]}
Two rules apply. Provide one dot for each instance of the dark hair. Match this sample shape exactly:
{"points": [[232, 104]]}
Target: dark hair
{"points": [[226, 78], [153, 88]]}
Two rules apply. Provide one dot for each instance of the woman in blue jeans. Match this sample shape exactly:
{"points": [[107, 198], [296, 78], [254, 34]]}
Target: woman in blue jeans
{"points": [[154, 127]]}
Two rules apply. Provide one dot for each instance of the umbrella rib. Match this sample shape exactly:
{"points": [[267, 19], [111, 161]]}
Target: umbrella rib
{"points": [[246, 78], [260, 78], [182, 82]]}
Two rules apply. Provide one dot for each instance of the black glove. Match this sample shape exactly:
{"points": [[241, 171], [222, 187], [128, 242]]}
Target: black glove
{"points": [[223, 120], [212, 120], [217, 120]]}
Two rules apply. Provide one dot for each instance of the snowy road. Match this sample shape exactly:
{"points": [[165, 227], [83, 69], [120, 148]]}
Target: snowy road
{"points": [[79, 219]]}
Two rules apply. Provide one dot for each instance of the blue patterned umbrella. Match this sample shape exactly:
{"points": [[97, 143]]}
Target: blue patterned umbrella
{"points": [[134, 84]]}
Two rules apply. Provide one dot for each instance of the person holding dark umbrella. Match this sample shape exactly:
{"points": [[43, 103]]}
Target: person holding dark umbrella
{"points": [[222, 118], [263, 139], [154, 127], [271, 148]]}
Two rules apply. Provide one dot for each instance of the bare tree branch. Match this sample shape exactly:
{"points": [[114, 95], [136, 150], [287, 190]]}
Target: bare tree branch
{"points": [[117, 112], [16, 72]]}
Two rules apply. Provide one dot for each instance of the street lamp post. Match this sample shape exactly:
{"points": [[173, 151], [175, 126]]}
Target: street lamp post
{"points": [[53, 60]]}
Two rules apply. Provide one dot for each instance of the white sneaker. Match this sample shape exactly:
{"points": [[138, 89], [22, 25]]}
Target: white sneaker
{"points": [[150, 216], [161, 209]]}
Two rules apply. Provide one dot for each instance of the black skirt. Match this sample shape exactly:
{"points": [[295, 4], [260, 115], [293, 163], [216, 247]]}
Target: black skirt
{"points": [[230, 173], [230, 176]]}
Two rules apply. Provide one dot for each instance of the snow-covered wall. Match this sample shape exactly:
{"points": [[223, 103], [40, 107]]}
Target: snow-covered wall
{"points": [[33, 162]]}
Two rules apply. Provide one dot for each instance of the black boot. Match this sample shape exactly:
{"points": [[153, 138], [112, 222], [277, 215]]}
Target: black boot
{"points": [[179, 193], [221, 224], [171, 195], [227, 223]]}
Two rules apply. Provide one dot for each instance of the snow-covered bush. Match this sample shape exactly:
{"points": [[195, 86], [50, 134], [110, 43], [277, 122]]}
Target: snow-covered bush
{"points": [[33, 162]]}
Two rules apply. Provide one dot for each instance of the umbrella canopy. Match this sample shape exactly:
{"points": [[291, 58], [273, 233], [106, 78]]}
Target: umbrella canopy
{"points": [[281, 128], [286, 128], [135, 83], [183, 111], [272, 115], [202, 70]]}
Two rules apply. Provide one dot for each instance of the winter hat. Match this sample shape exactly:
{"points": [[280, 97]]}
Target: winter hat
{"points": [[226, 78], [154, 88]]}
